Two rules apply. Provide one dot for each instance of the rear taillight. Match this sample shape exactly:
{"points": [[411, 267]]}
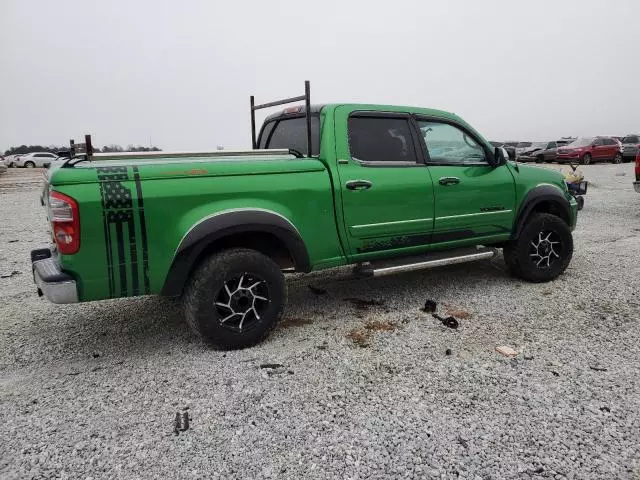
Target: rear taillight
{"points": [[65, 222]]}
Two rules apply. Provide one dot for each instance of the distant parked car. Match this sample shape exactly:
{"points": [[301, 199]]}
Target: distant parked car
{"points": [[36, 159], [522, 146], [3, 166], [540, 152], [9, 160], [591, 149], [630, 147], [636, 184]]}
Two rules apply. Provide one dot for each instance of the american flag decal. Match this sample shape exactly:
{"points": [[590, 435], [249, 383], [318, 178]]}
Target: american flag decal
{"points": [[122, 231]]}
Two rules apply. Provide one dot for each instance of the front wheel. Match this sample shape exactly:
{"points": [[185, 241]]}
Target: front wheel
{"points": [[543, 250], [586, 159], [617, 158], [29, 165], [235, 298]]}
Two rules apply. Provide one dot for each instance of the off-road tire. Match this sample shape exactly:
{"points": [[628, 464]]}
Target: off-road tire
{"points": [[586, 159], [29, 165], [518, 253], [208, 282]]}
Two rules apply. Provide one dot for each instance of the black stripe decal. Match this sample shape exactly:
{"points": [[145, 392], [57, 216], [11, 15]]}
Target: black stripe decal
{"points": [[121, 260], [107, 241], [133, 253], [143, 230]]}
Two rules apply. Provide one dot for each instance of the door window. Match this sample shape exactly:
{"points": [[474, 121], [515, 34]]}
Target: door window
{"points": [[551, 145], [609, 141], [447, 144], [597, 142], [381, 140]]}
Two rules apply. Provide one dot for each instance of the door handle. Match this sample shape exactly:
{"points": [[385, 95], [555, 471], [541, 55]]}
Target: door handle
{"points": [[449, 181], [359, 184]]}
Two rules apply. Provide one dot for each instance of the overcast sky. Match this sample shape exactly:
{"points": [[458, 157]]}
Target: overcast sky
{"points": [[181, 72]]}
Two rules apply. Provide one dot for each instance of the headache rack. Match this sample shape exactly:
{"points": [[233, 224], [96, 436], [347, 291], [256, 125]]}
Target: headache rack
{"points": [[81, 152], [307, 103]]}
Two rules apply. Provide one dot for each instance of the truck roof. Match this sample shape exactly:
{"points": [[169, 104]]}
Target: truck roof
{"points": [[317, 108]]}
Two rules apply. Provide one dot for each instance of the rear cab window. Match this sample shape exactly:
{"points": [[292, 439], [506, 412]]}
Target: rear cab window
{"points": [[290, 133]]}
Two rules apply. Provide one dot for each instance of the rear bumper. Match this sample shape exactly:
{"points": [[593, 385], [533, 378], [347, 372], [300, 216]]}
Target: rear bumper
{"points": [[636, 186], [55, 285]]}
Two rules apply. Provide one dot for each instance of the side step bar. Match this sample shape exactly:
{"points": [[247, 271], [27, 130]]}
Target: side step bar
{"points": [[380, 268]]}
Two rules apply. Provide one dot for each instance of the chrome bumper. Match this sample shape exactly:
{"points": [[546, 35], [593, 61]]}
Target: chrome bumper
{"points": [[636, 186], [53, 283]]}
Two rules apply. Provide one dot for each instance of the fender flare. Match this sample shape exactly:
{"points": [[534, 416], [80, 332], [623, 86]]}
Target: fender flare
{"points": [[537, 195], [230, 222]]}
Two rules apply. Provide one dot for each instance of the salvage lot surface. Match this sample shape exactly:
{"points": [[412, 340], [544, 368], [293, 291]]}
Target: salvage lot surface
{"points": [[364, 390]]}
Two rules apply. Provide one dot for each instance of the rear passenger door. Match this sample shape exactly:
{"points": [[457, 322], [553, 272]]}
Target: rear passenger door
{"points": [[386, 190], [611, 148], [599, 150], [474, 202]]}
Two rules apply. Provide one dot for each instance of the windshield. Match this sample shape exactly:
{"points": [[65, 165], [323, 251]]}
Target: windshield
{"points": [[523, 144], [631, 139], [539, 145], [581, 142]]}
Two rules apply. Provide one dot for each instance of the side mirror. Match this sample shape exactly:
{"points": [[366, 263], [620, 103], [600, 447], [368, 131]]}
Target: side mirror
{"points": [[499, 157]]}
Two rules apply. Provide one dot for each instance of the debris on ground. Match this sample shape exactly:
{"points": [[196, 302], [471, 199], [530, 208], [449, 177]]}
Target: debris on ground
{"points": [[621, 174], [13, 241], [317, 290], [271, 366], [605, 409], [597, 368], [181, 422], [293, 322], [429, 306], [9, 275], [555, 374], [447, 351], [449, 322], [377, 326], [506, 351], [360, 338], [456, 312], [547, 292]]}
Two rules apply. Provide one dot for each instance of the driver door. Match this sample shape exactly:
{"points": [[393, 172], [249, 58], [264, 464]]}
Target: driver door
{"points": [[474, 202]]}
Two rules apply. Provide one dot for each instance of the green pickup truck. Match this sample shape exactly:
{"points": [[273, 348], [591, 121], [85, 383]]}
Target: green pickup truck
{"points": [[385, 188]]}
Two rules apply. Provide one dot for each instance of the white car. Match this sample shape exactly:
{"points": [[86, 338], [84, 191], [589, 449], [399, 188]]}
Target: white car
{"points": [[3, 167], [35, 159]]}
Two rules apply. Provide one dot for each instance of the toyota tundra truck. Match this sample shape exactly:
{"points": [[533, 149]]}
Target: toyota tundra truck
{"points": [[384, 188]]}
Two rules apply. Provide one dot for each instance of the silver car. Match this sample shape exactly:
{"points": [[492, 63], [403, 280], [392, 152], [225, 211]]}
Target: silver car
{"points": [[630, 146]]}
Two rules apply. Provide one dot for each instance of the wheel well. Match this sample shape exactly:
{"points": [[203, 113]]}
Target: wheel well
{"points": [[263, 242], [553, 208]]}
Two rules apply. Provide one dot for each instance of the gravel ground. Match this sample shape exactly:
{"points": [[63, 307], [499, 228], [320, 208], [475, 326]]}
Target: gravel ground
{"points": [[364, 390]]}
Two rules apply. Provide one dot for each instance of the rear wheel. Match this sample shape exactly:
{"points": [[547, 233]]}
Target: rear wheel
{"points": [[586, 159], [539, 159], [617, 158], [235, 298], [29, 164], [542, 251]]}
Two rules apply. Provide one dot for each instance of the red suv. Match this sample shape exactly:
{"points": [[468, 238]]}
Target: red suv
{"points": [[594, 149]]}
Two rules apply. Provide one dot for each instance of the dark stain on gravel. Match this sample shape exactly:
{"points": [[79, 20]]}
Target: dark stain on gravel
{"points": [[293, 322]]}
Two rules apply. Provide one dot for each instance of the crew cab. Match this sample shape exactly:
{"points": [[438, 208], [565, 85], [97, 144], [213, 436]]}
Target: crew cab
{"points": [[385, 188]]}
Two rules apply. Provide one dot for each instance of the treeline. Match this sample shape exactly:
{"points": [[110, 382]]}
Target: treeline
{"points": [[22, 149]]}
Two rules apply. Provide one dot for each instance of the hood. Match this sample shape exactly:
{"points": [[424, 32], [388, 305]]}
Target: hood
{"points": [[530, 150]]}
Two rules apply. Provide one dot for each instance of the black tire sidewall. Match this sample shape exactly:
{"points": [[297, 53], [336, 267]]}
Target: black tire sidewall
{"points": [[586, 159], [208, 280], [525, 267]]}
